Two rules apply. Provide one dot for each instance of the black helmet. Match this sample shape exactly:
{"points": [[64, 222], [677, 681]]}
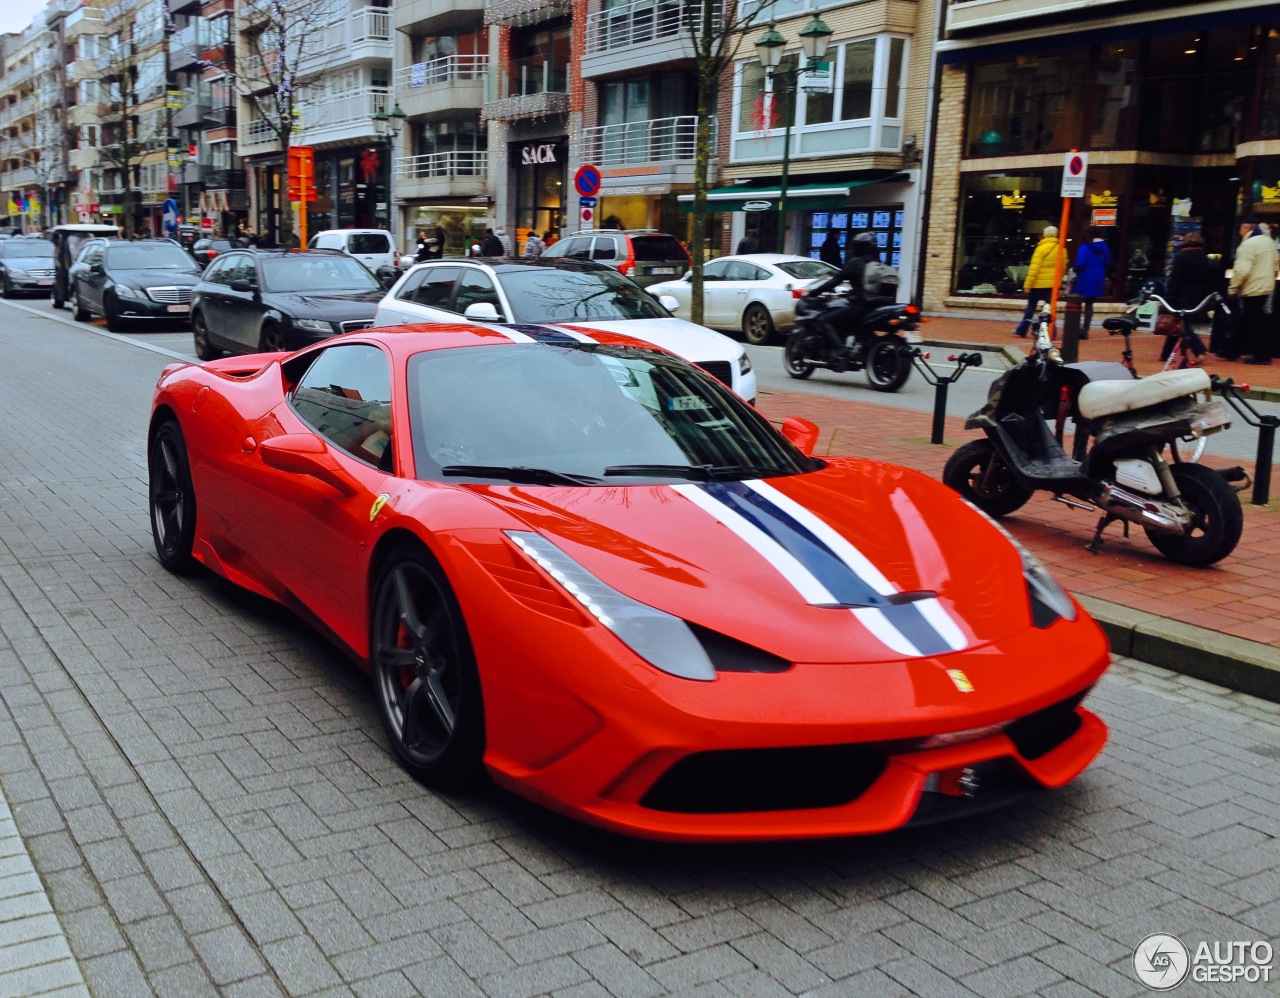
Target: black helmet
{"points": [[863, 244]]}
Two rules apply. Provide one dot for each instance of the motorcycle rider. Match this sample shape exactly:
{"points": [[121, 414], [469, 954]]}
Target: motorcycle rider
{"points": [[835, 322]]}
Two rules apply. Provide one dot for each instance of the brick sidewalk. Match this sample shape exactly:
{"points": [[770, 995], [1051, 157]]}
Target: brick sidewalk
{"points": [[1237, 596]]}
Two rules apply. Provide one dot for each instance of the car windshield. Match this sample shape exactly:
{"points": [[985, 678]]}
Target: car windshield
{"points": [[657, 248], [317, 273], [806, 270], [368, 242], [11, 248], [541, 294], [147, 256], [584, 413]]}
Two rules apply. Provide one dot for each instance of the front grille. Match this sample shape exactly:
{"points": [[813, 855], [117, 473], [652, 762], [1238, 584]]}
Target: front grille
{"points": [[781, 779], [351, 325], [721, 370], [36, 275], [170, 296]]}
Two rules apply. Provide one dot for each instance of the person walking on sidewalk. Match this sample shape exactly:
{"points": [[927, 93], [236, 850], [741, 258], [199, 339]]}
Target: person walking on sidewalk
{"points": [[1038, 283], [1187, 286], [1092, 261], [1253, 279]]}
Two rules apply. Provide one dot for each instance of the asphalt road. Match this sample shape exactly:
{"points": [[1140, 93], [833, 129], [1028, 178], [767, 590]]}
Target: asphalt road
{"points": [[206, 795]]}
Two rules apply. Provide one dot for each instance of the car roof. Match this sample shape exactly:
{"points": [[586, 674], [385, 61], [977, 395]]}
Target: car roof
{"points": [[101, 230], [333, 232], [769, 258], [510, 264], [405, 339]]}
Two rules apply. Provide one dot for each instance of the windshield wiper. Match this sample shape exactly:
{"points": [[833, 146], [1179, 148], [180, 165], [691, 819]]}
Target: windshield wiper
{"points": [[520, 474], [700, 472]]}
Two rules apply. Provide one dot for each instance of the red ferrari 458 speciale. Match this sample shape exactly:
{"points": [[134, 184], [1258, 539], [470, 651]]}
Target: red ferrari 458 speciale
{"points": [[588, 569]]}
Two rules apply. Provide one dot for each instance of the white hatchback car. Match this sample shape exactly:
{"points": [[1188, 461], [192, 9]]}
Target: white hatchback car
{"points": [[755, 293], [533, 293], [373, 247]]}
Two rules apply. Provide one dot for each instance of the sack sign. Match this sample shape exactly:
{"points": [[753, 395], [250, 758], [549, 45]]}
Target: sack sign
{"points": [[543, 153]]}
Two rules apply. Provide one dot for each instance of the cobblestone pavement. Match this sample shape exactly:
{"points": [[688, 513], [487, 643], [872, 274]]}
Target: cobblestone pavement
{"points": [[204, 790]]}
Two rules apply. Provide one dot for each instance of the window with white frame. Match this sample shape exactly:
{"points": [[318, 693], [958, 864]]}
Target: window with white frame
{"points": [[862, 110]]}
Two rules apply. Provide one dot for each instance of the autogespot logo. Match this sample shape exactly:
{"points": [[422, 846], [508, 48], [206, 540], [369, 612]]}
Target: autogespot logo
{"points": [[1161, 961]]}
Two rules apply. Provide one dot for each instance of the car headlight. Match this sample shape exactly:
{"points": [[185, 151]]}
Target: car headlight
{"points": [[124, 291], [661, 639], [744, 363], [314, 325], [1049, 601]]}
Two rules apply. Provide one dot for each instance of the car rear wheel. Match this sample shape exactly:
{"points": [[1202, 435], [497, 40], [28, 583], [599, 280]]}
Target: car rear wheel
{"points": [[757, 324], [172, 498], [82, 314], [271, 340], [200, 335], [6, 289], [112, 313], [424, 672]]}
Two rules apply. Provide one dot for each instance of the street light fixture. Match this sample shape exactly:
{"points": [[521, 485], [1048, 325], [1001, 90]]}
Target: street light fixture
{"points": [[814, 39], [387, 127]]}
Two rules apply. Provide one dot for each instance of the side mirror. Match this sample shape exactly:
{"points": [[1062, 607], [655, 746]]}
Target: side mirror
{"points": [[802, 433], [688, 276], [387, 276], [95, 268], [303, 454], [482, 311], [243, 286], [670, 302]]}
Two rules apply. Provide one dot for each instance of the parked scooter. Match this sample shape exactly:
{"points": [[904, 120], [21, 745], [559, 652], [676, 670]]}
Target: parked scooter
{"points": [[878, 343], [1124, 462]]}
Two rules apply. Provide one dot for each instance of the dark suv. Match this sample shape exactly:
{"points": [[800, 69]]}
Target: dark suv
{"points": [[125, 281], [251, 301], [647, 256]]}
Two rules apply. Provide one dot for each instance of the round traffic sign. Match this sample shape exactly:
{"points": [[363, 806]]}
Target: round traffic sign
{"points": [[588, 214], [586, 181], [1076, 165]]}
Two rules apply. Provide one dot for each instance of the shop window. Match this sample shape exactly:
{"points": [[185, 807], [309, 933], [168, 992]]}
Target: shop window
{"points": [[884, 222], [1001, 218], [1029, 104]]}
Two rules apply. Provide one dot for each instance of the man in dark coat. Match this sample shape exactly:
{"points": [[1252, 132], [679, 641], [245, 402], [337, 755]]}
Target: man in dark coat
{"points": [[1187, 285], [830, 252], [750, 243], [837, 322], [492, 245]]}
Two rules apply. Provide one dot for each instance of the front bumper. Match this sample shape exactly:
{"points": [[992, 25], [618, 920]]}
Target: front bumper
{"points": [[131, 308], [30, 283]]}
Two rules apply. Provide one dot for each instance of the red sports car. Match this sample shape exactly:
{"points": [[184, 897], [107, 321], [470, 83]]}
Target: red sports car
{"points": [[589, 569]]}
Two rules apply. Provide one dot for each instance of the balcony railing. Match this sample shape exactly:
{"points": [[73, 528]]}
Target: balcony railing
{"points": [[632, 143], [257, 132], [368, 24], [643, 21], [469, 163], [534, 75], [358, 106], [443, 70]]}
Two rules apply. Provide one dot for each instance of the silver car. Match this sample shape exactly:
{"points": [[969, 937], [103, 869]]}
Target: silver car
{"points": [[755, 293]]}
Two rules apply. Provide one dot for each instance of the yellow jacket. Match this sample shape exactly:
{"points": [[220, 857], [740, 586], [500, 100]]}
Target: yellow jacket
{"points": [[1040, 272]]}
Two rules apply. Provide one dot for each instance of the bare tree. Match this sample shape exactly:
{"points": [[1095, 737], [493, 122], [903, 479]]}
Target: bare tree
{"points": [[279, 36], [716, 29], [125, 138], [50, 163]]}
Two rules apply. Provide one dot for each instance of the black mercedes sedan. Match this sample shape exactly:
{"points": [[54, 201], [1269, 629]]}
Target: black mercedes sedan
{"points": [[127, 281], [251, 301], [26, 266]]}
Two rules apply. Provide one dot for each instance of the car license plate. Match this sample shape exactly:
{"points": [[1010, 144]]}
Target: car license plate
{"points": [[177, 308], [45, 282], [662, 270]]}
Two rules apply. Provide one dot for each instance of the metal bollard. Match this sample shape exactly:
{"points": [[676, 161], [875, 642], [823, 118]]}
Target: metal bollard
{"points": [[1266, 425], [941, 385], [1071, 329]]}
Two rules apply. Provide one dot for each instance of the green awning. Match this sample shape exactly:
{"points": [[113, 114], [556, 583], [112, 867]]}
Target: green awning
{"points": [[800, 197]]}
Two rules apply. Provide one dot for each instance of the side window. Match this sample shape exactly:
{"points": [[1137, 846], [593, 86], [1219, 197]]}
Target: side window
{"points": [[368, 242], [474, 287], [579, 248], [219, 270], [740, 270], [606, 248], [436, 289], [346, 397], [313, 242], [246, 269], [715, 270], [409, 289]]}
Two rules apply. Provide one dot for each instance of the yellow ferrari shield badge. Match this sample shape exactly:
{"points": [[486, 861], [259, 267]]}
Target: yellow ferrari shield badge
{"points": [[960, 680], [376, 508]]}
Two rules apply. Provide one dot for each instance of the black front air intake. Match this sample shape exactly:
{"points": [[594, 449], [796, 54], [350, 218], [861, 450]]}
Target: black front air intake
{"points": [[780, 779], [1040, 733]]}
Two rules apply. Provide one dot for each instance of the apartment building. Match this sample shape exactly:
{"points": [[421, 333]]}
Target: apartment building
{"points": [[442, 152], [343, 80], [1179, 114]]}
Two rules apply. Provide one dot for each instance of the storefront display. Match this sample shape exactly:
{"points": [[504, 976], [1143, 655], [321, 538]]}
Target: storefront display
{"points": [[540, 182], [883, 221]]}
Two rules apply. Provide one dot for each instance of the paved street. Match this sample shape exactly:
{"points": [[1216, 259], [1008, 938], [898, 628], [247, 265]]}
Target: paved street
{"points": [[202, 786]]}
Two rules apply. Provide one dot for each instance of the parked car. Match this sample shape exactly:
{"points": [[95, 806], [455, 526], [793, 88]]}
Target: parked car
{"points": [[26, 266], [206, 249], [251, 301], [68, 241], [373, 247], [127, 281], [647, 256], [524, 292], [755, 293]]}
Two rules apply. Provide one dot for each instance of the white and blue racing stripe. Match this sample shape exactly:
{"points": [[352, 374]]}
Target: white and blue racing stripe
{"points": [[533, 332], [823, 567]]}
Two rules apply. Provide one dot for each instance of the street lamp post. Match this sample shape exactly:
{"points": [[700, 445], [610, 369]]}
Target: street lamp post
{"points": [[814, 38], [387, 127]]}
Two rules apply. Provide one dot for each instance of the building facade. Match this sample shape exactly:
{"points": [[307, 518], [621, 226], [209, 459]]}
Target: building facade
{"points": [[1179, 115]]}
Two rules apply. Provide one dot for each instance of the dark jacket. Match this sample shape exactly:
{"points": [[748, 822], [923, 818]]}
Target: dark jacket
{"points": [[854, 271], [830, 252], [750, 243], [1092, 260], [492, 246], [1188, 277]]}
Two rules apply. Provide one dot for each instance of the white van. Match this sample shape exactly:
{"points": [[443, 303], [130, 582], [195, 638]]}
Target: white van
{"points": [[373, 247]]}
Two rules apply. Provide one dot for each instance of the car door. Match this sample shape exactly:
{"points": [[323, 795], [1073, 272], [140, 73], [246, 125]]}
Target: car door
{"points": [[430, 298], [743, 284], [244, 307], [88, 276], [476, 287], [715, 303], [212, 292], [309, 529]]}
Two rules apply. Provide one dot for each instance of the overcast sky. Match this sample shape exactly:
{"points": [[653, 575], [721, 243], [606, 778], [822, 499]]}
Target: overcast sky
{"points": [[17, 14]]}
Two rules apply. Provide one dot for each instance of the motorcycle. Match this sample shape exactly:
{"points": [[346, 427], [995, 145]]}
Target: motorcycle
{"points": [[878, 343], [1123, 429]]}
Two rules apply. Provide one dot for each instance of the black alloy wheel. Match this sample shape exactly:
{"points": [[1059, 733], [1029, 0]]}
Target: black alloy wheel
{"points": [[979, 474], [7, 289], [272, 339], [424, 672], [82, 314], [1216, 518], [111, 311], [757, 325], [888, 364], [200, 335], [172, 498]]}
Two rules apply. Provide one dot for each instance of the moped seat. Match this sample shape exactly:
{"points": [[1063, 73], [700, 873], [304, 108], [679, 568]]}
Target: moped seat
{"points": [[1119, 324], [1106, 398]]}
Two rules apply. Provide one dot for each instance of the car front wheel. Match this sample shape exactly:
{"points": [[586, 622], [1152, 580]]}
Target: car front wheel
{"points": [[757, 324], [172, 497], [200, 335]]}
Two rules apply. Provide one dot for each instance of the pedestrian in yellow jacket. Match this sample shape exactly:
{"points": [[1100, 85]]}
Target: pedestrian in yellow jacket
{"points": [[1038, 283]]}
